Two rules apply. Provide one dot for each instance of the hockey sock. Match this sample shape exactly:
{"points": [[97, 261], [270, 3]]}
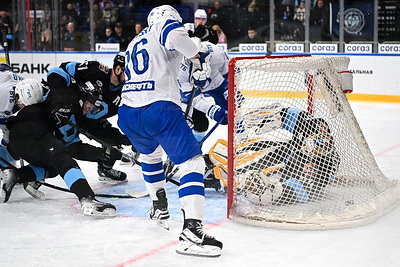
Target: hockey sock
{"points": [[81, 188]]}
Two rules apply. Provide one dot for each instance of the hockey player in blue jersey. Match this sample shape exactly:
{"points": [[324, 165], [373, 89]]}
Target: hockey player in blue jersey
{"points": [[152, 118]]}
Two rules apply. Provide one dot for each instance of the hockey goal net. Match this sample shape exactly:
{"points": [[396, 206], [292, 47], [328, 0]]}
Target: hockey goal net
{"points": [[297, 158]]}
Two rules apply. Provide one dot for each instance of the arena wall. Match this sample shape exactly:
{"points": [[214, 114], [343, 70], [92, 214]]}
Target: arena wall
{"points": [[376, 76]]}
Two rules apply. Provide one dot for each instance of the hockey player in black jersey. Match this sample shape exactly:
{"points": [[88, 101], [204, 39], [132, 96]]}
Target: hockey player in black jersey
{"points": [[32, 139], [60, 80]]}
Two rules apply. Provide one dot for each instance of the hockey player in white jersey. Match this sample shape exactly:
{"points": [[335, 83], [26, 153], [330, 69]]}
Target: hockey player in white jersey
{"points": [[8, 81], [152, 118], [211, 91]]}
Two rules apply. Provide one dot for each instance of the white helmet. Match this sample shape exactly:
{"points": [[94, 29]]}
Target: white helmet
{"points": [[28, 92], [161, 12], [200, 13]]}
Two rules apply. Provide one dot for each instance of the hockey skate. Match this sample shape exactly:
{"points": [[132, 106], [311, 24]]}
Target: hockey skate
{"points": [[210, 181], [130, 158], [159, 209], [93, 207], [194, 241], [8, 179], [111, 175]]}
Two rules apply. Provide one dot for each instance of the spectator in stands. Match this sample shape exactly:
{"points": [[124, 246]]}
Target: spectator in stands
{"points": [[287, 23], [45, 43], [138, 28], [300, 13], [103, 3], [299, 21], [253, 7], [253, 37], [320, 18], [122, 38], [217, 15], [110, 35], [7, 24], [72, 39], [97, 14], [47, 18], [110, 14], [221, 35], [98, 35], [69, 14]]}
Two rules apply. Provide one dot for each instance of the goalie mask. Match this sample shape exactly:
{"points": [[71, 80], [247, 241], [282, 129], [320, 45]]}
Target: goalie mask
{"points": [[28, 92], [163, 12], [318, 144]]}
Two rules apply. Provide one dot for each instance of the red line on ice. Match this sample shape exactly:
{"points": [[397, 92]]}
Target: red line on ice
{"points": [[384, 151], [159, 249]]}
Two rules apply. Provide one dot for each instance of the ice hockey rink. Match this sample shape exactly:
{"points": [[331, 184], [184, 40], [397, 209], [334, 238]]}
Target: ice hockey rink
{"points": [[54, 232]]}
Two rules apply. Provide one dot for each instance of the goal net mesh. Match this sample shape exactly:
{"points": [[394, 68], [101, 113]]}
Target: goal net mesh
{"points": [[299, 158]]}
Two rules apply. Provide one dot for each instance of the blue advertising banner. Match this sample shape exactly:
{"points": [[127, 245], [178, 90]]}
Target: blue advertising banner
{"points": [[358, 19]]}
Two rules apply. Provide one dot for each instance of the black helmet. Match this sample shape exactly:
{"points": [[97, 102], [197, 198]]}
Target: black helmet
{"points": [[119, 60], [92, 93]]}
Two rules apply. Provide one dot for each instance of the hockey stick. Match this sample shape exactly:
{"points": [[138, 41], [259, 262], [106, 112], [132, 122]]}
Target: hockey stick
{"points": [[5, 44], [98, 140], [170, 165], [92, 137], [130, 193]]}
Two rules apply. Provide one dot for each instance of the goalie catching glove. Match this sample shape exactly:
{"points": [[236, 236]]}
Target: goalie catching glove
{"points": [[202, 70]]}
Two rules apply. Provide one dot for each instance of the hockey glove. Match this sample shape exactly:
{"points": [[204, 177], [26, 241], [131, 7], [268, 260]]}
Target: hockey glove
{"points": [[217, 113], [201, 74], [61, 114]]}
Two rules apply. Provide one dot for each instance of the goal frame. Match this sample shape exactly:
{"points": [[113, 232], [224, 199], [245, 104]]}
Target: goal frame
{"points": [[231, 118], [369, 209]]}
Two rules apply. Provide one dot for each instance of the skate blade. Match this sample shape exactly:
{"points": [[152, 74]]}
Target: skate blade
{"points": [[36, 194], [107, 213], [2, 193], [192, 249], [111, 181], [163, 223]]}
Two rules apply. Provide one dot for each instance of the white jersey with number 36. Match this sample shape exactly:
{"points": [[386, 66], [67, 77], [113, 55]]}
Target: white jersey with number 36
{"points": [[153, 59]]}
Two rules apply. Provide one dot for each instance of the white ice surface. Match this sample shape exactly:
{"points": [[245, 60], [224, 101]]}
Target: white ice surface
{"points": [[55, 233]]}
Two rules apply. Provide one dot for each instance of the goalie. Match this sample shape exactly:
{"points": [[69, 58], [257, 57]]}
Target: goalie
{"points": [[281, 172]]}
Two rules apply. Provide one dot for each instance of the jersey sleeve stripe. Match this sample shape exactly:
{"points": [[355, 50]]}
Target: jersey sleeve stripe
{"points": [[167, 28], [70, 68], [62, 73]]}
